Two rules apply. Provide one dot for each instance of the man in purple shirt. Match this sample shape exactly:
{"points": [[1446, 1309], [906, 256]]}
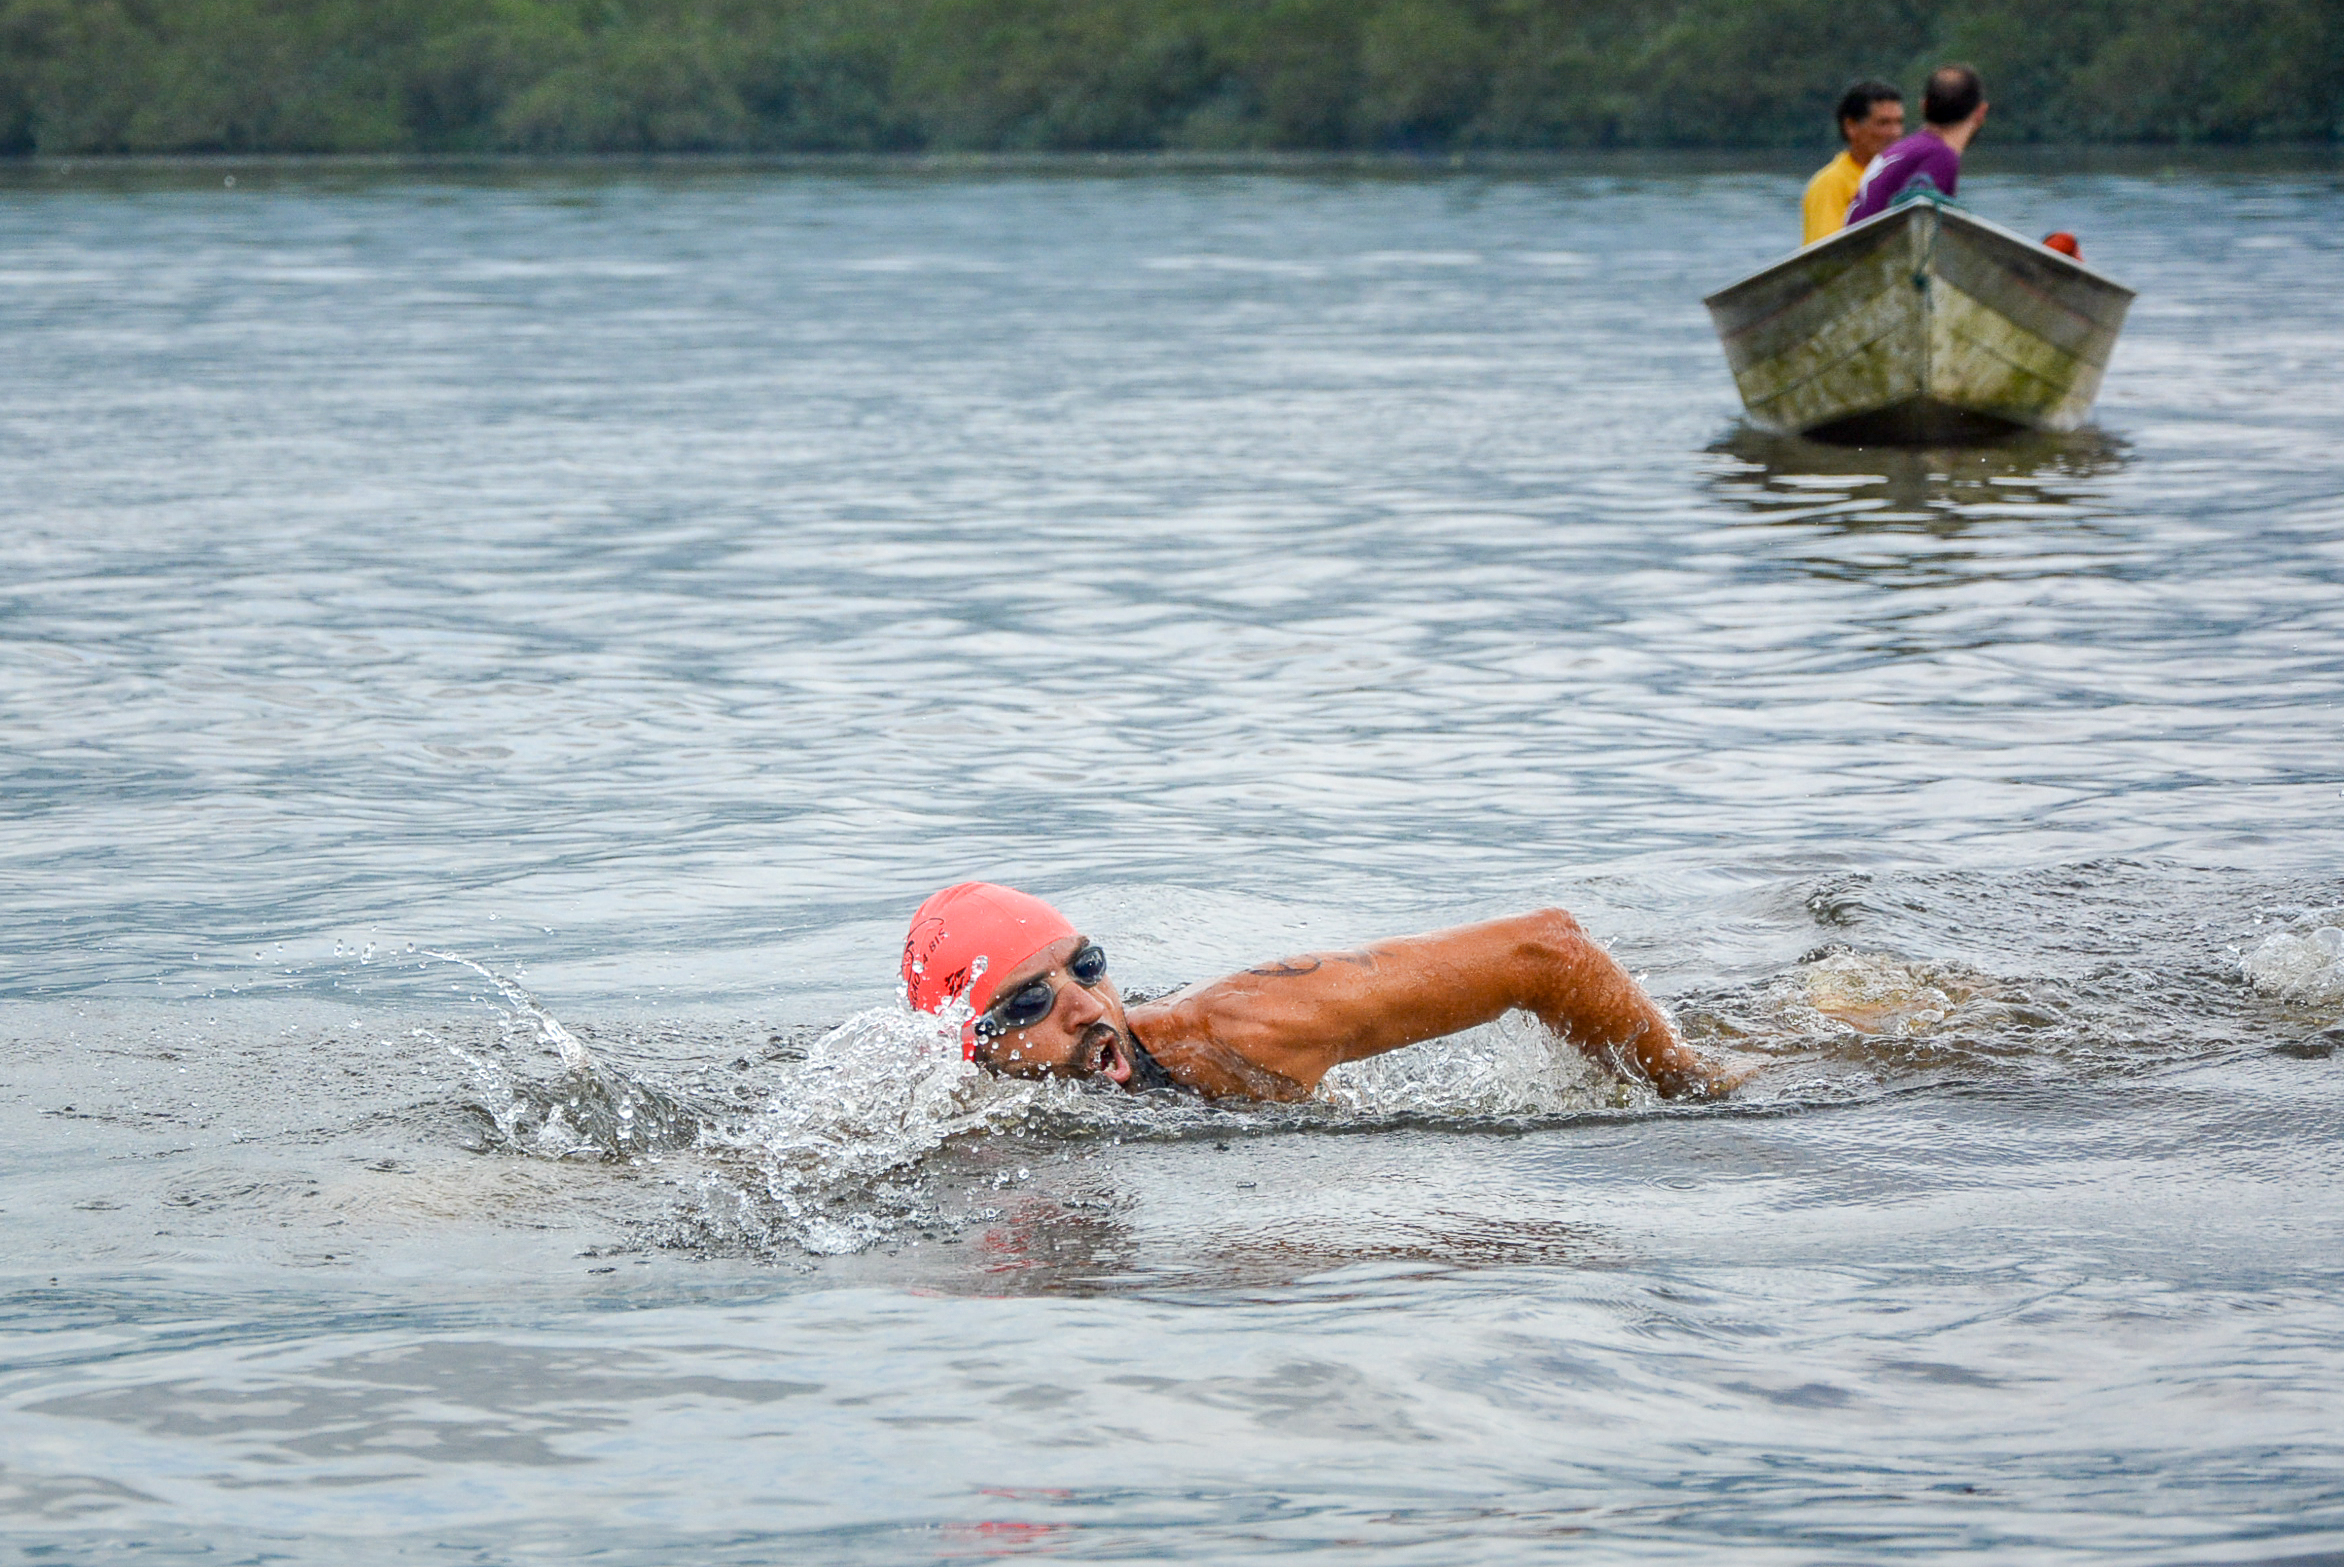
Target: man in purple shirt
{"points": [[1951, 111]]}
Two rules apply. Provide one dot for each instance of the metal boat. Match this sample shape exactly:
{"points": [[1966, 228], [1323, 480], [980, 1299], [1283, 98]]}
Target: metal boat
{"points": [[1925, 323]]}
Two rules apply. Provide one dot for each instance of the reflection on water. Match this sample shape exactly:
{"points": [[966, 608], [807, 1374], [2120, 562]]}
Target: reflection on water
{"points": [[2034, 474], [1215, 1216]]}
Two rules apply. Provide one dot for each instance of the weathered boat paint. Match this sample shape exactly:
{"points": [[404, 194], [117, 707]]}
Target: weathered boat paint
{"points": [[1924, 323]]}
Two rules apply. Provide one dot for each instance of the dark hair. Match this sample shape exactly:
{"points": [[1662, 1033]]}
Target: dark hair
{"points": [[1856, 103], [1953, 96]]}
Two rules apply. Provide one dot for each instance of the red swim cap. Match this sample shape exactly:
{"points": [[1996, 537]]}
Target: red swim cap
{"points": [[961, 924], [2064, 243]]}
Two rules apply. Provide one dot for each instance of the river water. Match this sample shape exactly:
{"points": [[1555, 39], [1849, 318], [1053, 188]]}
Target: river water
{"points": [[489, 658]]}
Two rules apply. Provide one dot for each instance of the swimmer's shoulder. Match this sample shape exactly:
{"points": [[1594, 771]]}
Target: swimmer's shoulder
{"points": [[1177, 1019], [1163, 1002], [1179, 1031], [1166, 1023]]}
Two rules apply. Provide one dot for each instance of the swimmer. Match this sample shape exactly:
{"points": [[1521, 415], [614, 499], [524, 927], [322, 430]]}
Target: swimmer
{"points": [[1041, 1004]]}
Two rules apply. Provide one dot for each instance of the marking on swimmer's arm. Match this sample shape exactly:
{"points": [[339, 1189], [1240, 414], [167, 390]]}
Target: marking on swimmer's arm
{"points": [[1295, 968]]}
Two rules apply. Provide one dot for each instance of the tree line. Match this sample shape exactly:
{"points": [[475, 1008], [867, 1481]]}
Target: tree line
{"points": [[602, 76]]}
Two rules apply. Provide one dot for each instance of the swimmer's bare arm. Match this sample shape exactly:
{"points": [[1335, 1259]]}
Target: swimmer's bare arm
{"points": [[1274, 1031]]}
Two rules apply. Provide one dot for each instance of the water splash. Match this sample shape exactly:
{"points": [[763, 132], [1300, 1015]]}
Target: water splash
{"points": [[1512, 1069], [549, 1027], [2303, 963], [872, 1098], [592, 1111], [820, 1150]]}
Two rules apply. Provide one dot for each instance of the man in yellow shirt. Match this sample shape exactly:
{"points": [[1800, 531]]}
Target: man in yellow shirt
{"points": [[1871, 115]]}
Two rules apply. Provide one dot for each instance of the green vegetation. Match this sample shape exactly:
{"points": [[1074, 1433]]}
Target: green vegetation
{"points": [[101, 76]]}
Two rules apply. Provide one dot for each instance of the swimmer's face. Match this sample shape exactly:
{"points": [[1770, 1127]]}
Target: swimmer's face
{"points": [[1085, 1033]]}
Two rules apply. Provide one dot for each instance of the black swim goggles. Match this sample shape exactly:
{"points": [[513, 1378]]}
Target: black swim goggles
{"points": [[1031, 1002]]}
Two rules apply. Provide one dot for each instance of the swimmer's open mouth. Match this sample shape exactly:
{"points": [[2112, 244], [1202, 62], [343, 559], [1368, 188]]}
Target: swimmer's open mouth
{"points": [[1106, 1055]]}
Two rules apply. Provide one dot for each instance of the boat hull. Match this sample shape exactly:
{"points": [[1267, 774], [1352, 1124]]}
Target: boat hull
{"points": [[1922, 324]]}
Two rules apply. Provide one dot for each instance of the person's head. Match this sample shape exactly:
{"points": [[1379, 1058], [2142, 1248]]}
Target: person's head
{"points": [[1954, 97], [1040, 1002], [1871, 115]]}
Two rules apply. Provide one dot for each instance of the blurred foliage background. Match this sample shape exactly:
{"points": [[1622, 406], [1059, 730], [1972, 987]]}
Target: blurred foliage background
{"points": [[106, 76]]}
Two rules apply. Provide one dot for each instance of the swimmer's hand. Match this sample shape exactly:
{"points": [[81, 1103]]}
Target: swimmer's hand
{"points": [[1678, 1071], [1716, 1075]]}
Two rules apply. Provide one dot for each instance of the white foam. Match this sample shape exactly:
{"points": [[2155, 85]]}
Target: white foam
{"points": [[1511, 1068], [874, 1095], [2304, 962]]}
